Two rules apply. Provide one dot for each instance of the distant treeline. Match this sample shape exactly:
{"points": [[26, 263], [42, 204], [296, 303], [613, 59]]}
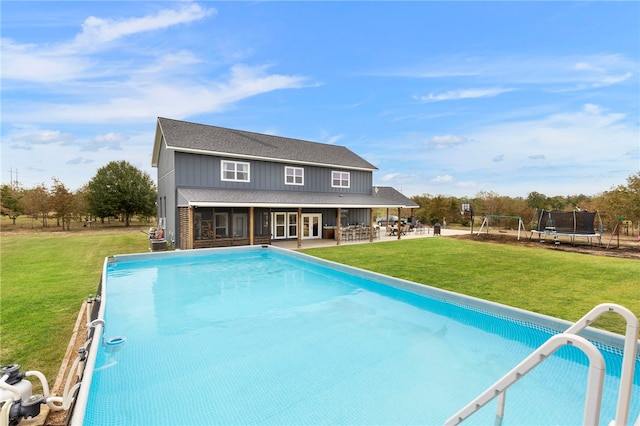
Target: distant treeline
{"points": [[95, 200], [619, 203]]}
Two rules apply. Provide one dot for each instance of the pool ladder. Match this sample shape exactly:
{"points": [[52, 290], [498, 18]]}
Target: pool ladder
{"points": [[595, 379]]}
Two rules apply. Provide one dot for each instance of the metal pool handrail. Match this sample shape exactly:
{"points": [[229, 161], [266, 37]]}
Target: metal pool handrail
{"points": [[596, 370], [629, 357], [595, 381]]}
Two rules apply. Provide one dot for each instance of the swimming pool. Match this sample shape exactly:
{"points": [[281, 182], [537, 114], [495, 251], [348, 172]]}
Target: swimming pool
{"points": [[266, 336]]}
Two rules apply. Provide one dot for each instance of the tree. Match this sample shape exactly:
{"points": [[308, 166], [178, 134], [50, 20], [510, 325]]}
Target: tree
{"points": [[81, 203], [633, 196], [436, 209], [621, 202], [11, 202], [536, 200], [121, 189], [62, 202], [36, 203]]}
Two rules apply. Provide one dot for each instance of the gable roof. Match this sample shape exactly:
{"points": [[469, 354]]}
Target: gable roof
{"points": [[196, 138]]}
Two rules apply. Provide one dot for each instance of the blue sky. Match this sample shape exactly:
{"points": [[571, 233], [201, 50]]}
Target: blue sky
{"points": [[445, 98]]}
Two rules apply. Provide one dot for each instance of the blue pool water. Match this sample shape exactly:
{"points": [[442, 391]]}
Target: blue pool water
{"points": [[262, 337]]}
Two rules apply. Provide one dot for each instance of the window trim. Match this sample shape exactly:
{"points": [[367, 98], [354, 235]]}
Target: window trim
{"points": [[341, 179], [235, 171], [293, 175]]}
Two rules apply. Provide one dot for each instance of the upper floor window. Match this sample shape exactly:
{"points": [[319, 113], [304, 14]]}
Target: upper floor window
{"points": [[340, 179], [235, 171], [293, 175]]}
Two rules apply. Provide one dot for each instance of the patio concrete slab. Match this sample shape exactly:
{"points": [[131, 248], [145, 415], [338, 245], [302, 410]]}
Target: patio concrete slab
{"points": [[313, 243]]}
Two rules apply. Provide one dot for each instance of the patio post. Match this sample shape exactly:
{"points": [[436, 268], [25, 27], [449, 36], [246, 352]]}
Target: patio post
{"points": [[251, 226], [387, 222], [338, 225], [299, 227], [371, 225]]}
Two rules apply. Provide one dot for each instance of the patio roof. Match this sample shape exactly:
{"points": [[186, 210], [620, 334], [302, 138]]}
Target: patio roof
{"points": [[382, 197]]}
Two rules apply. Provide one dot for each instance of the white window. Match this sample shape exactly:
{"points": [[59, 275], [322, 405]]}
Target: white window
{"points": [[293, 175], [235, 171], [340, 179]]}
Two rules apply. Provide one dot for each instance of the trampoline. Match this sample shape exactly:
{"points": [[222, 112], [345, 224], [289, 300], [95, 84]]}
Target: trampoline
{"points": [[573, 224]]}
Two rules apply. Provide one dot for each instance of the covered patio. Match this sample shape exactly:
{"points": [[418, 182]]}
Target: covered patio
{"points": [[230, 217]]}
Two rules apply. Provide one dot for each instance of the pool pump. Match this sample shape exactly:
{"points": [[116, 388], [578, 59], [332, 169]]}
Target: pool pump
{"points": [[16, 400]]}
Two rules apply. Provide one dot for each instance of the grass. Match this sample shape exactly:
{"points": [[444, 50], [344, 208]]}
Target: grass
{"points": [[45, 277], [559, 284]]}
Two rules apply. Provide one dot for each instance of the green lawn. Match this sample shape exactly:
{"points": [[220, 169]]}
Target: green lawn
{"points": [[559, 284], [45, 277]]}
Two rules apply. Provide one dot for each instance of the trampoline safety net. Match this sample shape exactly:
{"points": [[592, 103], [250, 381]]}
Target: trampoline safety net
{"points": [[575, 222]]}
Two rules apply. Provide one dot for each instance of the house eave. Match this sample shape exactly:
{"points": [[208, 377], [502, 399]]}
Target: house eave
{"points": [[157, 143], [294, 205]]}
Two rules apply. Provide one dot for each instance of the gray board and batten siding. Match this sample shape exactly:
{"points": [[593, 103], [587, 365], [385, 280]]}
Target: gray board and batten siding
{"points": [[197, 170]]}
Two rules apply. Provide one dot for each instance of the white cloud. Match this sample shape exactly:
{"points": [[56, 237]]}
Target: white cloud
{"points": [[71, 60], [572, 149], [28, 62], [609, 80], [601, 71], [633, 153], [467, 184], [110, 141], [554, 73], [63, 160], [128, 102], [446, 141], [79, 160], [442, 179], [30, 138], [389, 177], [592, 136], [97, 31], [334, 139], [463, 94], [583, 66]]}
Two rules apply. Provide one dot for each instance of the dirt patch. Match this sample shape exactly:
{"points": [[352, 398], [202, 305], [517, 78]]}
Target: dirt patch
{"points": [[628, 247]]}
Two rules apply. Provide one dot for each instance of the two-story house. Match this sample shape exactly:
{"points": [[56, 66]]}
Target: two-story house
{"points": [[222, 187]]}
